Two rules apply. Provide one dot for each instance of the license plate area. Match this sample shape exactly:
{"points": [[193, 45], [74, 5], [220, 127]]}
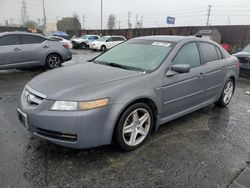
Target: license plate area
{"points": [[23, 118]]}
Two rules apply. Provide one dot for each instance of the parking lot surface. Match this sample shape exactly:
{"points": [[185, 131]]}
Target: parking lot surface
{"points": [[208, 148]]}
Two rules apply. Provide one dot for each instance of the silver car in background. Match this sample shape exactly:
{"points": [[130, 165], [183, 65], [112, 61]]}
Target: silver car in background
{"points": [[24, 50], [123, 94]]}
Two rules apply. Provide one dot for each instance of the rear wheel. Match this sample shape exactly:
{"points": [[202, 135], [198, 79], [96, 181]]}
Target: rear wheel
{"points": [[53, 61], [83, 45], [134, 127], [227, 93], [103, 48]]}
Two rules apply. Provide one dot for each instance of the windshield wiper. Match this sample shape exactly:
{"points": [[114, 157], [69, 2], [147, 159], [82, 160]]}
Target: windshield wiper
{"points": [[118, 65]]}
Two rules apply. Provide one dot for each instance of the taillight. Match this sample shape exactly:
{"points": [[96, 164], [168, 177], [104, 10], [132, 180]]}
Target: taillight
{"points": [[66, 46]]}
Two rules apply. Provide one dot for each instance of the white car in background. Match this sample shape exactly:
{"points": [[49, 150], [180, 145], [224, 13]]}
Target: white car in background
{"points": [[107, 42], [60, 39]]}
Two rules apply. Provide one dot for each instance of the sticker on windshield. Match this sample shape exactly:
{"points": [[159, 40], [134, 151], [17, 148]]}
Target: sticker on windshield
{"points": [[161, 44]]}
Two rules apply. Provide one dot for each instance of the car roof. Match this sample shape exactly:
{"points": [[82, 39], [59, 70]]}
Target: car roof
{"points": [[166, 38], [175, 39]]}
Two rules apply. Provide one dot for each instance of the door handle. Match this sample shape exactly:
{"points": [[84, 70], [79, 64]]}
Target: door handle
{"points": [[17, 50], [201, 75], [224, 68], [45, 46]]}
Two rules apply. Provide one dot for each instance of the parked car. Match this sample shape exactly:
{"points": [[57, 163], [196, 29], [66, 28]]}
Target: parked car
{"points": [[128, 91], [107, 42], [84, 41], [60, 39], [244, 58], [24, 50]]}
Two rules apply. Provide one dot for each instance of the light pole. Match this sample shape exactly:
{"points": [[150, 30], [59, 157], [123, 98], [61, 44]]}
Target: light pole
{"points": [[101, 13]]}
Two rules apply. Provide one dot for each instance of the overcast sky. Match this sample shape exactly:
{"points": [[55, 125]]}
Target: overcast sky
{"points": [[153, 12]]}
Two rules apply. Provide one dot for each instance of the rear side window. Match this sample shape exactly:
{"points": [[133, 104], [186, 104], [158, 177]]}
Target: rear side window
{"points": [[96, 37], [118, 38], [188, 54], [209, 52], [220, 56], [9, 40], [30, 39]]}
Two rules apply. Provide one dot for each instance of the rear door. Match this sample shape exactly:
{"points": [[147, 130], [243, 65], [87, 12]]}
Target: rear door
{"points": [[215, 68], [34, 48], [182, 92], [110, 42], [10, 50]]}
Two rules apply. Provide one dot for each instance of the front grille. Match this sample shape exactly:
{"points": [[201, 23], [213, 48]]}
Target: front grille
{"points": [[32, 98], [57, 135], [243, 60]]}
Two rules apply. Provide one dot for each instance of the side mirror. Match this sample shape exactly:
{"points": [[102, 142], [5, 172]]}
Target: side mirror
{"points": [[181, 68]]}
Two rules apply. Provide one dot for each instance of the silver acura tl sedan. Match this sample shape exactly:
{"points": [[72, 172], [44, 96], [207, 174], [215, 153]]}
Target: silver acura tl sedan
{"points": [[125, 93], [25, 50]]}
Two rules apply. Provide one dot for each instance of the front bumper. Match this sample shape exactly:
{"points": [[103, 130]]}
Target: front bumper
{"points": [[76, 129]]}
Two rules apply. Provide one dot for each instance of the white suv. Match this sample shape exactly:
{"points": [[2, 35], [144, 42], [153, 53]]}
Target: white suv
{"points": [[107, 42]]}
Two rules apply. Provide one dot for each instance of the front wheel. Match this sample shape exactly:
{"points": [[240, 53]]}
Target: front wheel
{"points": [[53, 61], [227, 93], [103, 48], [84, 46], [134, 127]]}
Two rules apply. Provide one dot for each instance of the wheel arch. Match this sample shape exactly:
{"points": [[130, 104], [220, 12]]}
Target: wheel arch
{"points": [[54, 53], [146, 100]]}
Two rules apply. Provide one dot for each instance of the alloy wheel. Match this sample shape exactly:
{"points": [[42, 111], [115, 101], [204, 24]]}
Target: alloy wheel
{"points": [[54, 62], [136, 127], [228, 92]]}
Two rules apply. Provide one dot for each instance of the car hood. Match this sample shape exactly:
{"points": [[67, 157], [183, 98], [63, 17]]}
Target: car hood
{"points": [[57, 84], [242, 54], [79, 40]]}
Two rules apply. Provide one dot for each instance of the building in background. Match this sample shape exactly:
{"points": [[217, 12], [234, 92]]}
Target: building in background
{"points": [[51, 27]]}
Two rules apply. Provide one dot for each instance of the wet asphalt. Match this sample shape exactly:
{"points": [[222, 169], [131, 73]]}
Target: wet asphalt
{"points": [[208, 148]]}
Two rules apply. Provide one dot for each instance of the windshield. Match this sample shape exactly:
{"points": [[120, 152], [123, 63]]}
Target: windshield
{"points": [[102, 39], [247, 48], [84, 37], [138, 54]]}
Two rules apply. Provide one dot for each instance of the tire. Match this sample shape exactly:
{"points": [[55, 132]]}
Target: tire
{"points": [[83, 46], [131, 132], [227, 93], [53, 61], [103, 48]]}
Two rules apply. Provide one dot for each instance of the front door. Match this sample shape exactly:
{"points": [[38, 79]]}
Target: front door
{"points": [[10, 51], [185, 91]]}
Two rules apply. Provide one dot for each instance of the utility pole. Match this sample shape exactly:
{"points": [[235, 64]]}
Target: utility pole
{"points": [[136, 21], [83, 21], [44, 17], [228, 18], [208, 14], [101, 12], [129, 22], [119, 24], [24, 13]]}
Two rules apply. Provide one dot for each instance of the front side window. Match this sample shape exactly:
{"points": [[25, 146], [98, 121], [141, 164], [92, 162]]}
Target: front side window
{"points": [[137, 54], [9, 40], [209, 52], [30, 39], [188, 54]]}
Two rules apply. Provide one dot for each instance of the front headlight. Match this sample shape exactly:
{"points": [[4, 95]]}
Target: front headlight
{"points": [[73, 106]]}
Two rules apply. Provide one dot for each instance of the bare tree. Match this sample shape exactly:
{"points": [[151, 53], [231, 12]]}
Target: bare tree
{"points": [[111, 21]]}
